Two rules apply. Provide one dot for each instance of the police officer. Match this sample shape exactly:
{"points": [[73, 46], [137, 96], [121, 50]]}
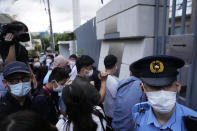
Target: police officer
{"points": [[161, 112]]}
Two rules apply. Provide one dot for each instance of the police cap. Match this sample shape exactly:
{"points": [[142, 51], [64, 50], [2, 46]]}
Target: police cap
{"points": [[158, 70]]}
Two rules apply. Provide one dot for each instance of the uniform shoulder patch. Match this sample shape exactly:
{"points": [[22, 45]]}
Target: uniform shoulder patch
{"points": [[141, 107]]}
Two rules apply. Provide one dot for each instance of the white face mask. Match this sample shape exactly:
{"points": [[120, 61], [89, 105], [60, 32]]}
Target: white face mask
{"points": [[90, 73], [36, 64], [48, 61], [59, 88], [72, 64], [162, 101]]}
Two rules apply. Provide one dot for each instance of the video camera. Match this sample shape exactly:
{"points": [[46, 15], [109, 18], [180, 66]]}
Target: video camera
{"points": [[15, 30]]}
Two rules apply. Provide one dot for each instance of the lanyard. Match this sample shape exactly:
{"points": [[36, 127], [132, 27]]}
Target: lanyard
{"points": [[46, 89]]}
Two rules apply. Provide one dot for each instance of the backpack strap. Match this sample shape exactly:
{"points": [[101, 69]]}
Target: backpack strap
{"points": [[124, 84], [101, 117]]}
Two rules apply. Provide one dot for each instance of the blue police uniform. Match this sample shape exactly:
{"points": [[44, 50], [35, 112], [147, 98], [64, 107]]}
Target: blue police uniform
{"points": [[158, 72], [126, 98], [145, 120]]}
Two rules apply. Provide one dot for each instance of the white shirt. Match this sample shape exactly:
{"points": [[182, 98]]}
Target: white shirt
{"points": [[63, 122], [111, 90], [73, 73]]}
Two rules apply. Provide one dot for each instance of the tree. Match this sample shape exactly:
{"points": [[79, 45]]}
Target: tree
{"points": [[80, 52], [57, 37], [38, 48], [45, 42], [63, 37]]}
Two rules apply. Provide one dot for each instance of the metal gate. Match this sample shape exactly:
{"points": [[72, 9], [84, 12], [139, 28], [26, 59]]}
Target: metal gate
{"points": [[176, 35]]}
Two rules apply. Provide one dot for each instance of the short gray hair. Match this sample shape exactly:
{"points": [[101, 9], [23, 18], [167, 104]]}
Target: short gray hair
{"points": [[60, 60]]}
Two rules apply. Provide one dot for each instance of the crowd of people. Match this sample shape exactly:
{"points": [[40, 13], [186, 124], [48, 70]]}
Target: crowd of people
{"points": [[53, 93]]}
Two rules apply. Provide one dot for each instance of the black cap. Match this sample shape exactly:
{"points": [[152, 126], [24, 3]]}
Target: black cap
{"points": [[158, 70], [14, 67]]}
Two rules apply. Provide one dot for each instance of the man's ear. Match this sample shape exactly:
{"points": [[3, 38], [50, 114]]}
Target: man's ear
{"points": [[178, 86], [82, 70], [53, 81], [4, 82]]}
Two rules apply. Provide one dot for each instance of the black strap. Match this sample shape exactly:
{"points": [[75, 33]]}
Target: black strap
{"points": [[101, 117], [190, 122], [125, 84]]}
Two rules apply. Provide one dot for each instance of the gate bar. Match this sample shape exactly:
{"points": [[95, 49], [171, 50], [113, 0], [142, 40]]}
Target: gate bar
{"points": [[184, 7], [156, 27], [173, 17], [194, 62], [164, 27]]}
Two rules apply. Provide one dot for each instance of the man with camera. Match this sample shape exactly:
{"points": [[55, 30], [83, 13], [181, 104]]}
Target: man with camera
{"points": [[11, 36]]}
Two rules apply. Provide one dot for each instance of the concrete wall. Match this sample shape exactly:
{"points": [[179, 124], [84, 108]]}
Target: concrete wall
{"points": [[127, 51], [114, 47], [133, 51], [64, 50], [129, 18], [67, 48], [86, 40], [127, 27]]}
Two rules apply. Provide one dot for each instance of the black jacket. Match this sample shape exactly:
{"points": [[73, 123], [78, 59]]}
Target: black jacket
{"points": [[46, 104], [9, 105], [95, 78], [90, 91]]}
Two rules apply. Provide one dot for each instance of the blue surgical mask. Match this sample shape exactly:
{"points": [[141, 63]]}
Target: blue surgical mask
{"points": [[20, 89], [59, 88]]}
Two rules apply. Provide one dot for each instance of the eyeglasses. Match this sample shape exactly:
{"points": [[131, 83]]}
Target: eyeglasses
{"points": [[18, 80]]}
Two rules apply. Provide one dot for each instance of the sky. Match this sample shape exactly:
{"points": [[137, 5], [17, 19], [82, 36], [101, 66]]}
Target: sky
{"points": [[34, 15], [179, 7]]}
